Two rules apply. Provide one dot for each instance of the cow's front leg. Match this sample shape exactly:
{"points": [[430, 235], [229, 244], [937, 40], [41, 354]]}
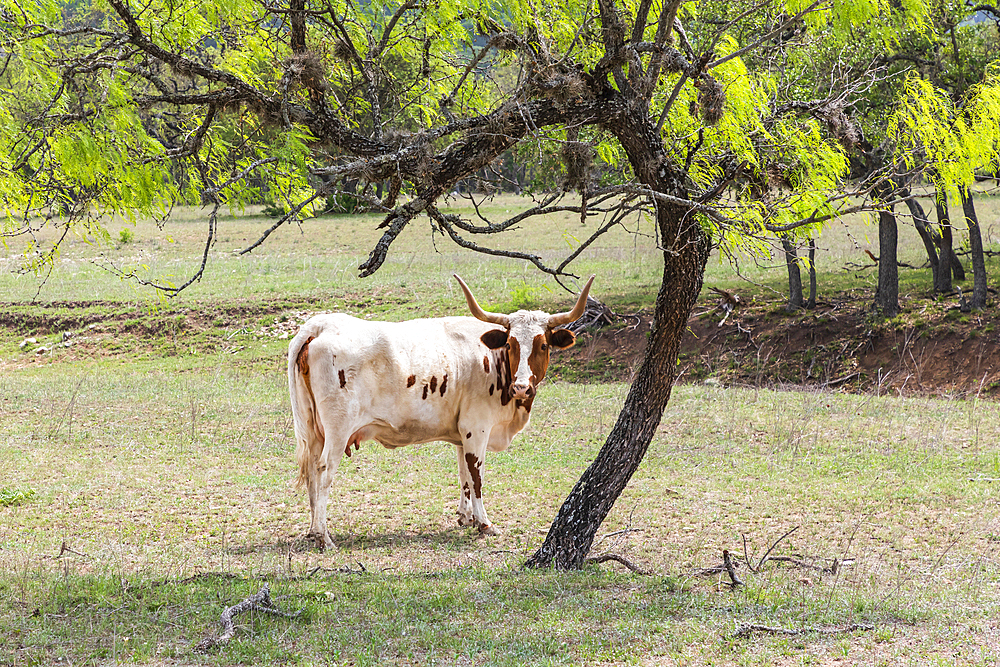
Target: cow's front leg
{"points": [[471, 467], [465, 517]]}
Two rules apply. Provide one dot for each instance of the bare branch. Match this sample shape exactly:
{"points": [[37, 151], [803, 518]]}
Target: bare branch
{"points": [[446, 222], [403, 8], [603, 558], [293, 213]]}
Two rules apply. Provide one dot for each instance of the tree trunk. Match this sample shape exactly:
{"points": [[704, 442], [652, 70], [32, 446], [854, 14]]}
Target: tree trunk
{"points": [[978, 301], [572, 532], [795, 300], [926, 232], [811, 303], [957, 270], [942, 282], [685, 253], [887, 292]]}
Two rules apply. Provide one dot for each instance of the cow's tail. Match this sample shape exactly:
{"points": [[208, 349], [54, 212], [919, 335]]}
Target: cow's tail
{"points": [[309, 434]]}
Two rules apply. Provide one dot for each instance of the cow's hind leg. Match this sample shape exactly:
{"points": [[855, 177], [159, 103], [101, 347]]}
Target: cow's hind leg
{"points": [[320, 472]]}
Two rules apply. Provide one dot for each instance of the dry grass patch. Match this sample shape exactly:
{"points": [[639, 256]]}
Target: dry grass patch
{"points": [[144, 476]]}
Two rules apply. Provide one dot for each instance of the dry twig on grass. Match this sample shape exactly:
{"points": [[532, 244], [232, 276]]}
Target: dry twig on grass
{"points": [[260, 601], [730, 564], [727, 561], [65, 549]]}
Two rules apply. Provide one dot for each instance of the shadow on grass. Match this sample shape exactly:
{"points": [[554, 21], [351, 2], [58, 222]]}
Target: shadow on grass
{"points": [[455, 538]]}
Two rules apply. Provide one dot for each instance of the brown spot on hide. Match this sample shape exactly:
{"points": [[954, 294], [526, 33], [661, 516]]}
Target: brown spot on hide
{"points": [[474, 472], [425, 392], [410, 381], [486, 363], [467, 490], [434, 383], [343, 378], [506, 369], [444, 383]]}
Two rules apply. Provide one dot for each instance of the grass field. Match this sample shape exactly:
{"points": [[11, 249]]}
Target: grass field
{"points": [[146, 484]]}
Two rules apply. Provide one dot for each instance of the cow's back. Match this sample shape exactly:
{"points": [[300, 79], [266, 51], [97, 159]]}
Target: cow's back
{"points": [[408, 379]]}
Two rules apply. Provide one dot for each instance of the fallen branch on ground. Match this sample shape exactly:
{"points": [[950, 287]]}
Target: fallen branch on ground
{"points": [[260, 601], [729, 564], [619, 559], [65, 549]]}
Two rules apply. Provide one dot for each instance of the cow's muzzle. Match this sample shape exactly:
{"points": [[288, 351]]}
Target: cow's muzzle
{"points": [[522, 391]]}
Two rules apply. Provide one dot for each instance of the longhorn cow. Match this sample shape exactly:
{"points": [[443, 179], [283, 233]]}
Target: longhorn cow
{"points": [[469, 381]]}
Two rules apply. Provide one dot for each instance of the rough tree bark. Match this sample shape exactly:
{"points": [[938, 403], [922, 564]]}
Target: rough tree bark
{"points": [[942, 282], [572, 532], [685, 252], [887, 292], [978, 301], [811, 303], [795, 298]]}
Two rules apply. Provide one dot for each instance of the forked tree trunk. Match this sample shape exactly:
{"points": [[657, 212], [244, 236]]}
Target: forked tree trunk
{"points": [[795, 299], [978, 301], [887, 292]]}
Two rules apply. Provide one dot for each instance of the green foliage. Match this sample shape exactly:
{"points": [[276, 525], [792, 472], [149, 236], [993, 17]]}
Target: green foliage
{"points": [[14, 496], [239, 117], [955, 140]]}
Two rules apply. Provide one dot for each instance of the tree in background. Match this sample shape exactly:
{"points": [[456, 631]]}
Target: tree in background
{"points": [[954, 141], [673, 111]]}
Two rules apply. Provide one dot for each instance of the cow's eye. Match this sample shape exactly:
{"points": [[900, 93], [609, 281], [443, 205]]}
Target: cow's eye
{"points": [[544, 347]]}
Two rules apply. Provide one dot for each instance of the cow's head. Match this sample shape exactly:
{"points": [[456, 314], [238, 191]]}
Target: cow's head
{"points": [[528, 336]]}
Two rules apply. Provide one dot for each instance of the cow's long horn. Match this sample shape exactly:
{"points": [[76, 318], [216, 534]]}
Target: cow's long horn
{"points": [[479, 313], [573, 315]]}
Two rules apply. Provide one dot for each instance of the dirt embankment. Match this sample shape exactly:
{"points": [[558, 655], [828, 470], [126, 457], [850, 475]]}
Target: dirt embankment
{"points": [[930, 349]]}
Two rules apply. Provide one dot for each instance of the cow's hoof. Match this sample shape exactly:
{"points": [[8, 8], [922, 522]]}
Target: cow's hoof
{"points": [[466, 520], [321, 541], [488, 529]]}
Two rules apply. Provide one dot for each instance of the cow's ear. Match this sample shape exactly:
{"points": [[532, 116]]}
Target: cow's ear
{"points": [[561, 339], [494, 338]]}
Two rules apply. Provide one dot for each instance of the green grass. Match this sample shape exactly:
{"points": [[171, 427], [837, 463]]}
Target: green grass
{"points": [[152, 476], [319, 260], [146, 472]]}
